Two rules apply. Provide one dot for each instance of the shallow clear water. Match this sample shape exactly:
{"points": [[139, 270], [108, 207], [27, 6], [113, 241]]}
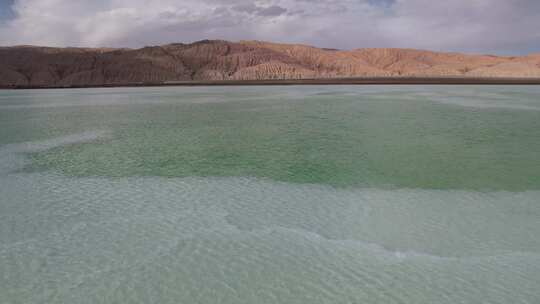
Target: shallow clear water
{"points": [[315, 194]]}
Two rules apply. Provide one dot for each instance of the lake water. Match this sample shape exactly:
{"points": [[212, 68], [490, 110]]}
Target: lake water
{"points": [[298, 194]]}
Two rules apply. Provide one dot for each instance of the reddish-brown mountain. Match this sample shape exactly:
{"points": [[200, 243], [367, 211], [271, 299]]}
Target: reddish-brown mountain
{"points": [[245, 60]]}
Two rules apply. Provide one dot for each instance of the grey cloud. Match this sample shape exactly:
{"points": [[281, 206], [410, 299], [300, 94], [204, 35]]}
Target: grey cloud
{"points": [[247, 8], [273, 10], [250, 8], [488, 26]]}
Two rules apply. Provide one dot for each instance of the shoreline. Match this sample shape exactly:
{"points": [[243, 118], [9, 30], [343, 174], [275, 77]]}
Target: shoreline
{"points": [[314, 81]]}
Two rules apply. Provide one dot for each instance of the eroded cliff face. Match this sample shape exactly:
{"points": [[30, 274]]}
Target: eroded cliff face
{"points": [[245, 60]]}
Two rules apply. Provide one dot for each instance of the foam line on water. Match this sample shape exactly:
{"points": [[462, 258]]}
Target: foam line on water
{"points": [[39, 146], [12, 158], [381, 250]]}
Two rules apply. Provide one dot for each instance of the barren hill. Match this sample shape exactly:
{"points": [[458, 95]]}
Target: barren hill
{"points": [[245, 60]]}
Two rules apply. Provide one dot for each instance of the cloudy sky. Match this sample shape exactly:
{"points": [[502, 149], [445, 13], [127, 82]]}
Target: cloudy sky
{"points": [[482, 26]]}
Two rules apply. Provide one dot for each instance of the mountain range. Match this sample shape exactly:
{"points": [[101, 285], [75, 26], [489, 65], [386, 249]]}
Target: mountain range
{"points": [[245, 60]]}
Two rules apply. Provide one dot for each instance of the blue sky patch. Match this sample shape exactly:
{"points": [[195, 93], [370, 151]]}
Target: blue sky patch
{"points": [[5, 9]]}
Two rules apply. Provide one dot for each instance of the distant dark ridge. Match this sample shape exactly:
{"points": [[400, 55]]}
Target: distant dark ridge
{"points": [[328, 81]]}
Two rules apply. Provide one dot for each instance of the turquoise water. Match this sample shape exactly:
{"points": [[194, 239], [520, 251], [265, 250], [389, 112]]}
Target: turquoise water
{"points": [[308, 194]]}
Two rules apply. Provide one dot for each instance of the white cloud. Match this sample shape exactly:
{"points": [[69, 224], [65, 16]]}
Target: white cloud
{"points": [[469, 25]]}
